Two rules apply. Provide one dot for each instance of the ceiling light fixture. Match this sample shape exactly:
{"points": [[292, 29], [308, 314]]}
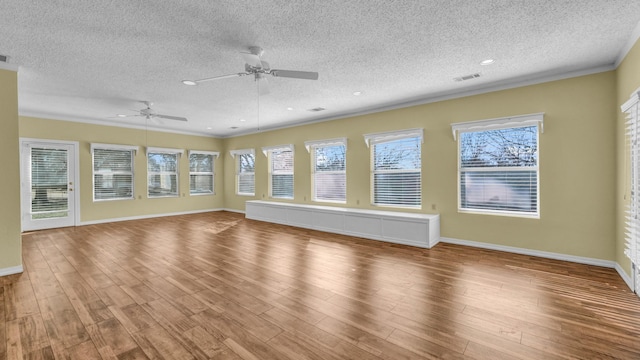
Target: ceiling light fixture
{"points": [[357, 93], [243, 120], [209, 127], [121, 115], [290, 108], [487, 62], [189, 82]]}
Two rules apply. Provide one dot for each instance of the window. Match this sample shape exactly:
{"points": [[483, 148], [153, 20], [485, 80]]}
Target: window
{"points": [[632, 248], [328, 167], [280, 171], [112, 171], [162, 172], [245, 171], [498, 165], [201, 174], [396, 168]]}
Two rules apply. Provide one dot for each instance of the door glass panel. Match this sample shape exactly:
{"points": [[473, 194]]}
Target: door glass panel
{"points": [[49, 183]]}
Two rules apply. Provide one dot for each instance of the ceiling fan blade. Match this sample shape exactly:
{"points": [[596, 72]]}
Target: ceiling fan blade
{"points": [[195, 82], [307, 75], [252, 59], [178, 118]]}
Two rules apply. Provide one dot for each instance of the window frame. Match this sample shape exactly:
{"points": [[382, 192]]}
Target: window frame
{"points": [[512, 122], [214, 155], [631, 109], [167, 151], [312, 147], [237, 155], [268, 151], [374, 139], [113, 147]]}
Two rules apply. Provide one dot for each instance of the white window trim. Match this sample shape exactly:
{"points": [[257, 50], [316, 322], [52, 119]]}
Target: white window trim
{"points": [[324, 143], [499, 123], [382, 137], [267, 149], [329, 142], [133, 148], [536, 119], [632, 238], [215, 154], [159, 150], [237, 164], [375, 138], [233, 153]]}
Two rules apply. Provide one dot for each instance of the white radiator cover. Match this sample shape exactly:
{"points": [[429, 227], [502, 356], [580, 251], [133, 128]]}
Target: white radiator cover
{"points": [[421, 230]]}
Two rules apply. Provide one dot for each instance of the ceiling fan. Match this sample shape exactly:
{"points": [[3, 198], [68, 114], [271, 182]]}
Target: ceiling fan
{"points": [[149, 113], [259, 68]]}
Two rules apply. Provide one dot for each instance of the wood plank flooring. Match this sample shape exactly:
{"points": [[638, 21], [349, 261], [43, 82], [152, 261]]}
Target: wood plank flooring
{"points": [[218, 286]]}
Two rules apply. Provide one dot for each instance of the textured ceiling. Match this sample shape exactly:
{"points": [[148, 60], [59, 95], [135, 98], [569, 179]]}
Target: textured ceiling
{"points": [[88, 60]]}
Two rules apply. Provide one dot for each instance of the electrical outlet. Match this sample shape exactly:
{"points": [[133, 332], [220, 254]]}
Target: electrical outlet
{"points": [[433, 206], [358, 202]]}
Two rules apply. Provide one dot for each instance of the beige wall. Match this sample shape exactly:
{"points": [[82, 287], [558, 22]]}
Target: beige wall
{"points": [[10, 243], [627, 80], [86, 134], [577, 174]]}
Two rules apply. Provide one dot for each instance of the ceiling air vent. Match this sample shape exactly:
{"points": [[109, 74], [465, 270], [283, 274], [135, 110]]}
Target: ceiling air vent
{"points": [[467, 77], [317, 109], [4, 58]]}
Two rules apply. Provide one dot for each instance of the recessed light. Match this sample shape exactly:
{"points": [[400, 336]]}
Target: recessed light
{"points": [[122, 115], [357, 93], [243, 120], [290, 108], [189, 82], [487, 62], [209, 128]]}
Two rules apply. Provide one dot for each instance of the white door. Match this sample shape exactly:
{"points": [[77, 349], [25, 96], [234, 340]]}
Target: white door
{"points": [[48, 184]]}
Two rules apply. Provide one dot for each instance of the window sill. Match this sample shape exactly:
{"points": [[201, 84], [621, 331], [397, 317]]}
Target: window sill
{"points": [[499, 213]]}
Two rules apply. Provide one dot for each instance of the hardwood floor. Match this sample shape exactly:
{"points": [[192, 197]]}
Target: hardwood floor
{"points": [[219, 286]]}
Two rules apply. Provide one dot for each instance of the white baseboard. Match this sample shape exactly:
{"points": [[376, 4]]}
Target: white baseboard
{"points": [[538, 253], [149, 216], [11, 270], [233, 210], [627, 279]]}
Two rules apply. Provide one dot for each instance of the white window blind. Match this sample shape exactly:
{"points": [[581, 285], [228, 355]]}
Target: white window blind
{"points": [[113, 176], [49, 182], [498, 166], [396, 168], [280, 171], [201, 172], [329, 175], [162, 172], [632, 248], [245, 171]]}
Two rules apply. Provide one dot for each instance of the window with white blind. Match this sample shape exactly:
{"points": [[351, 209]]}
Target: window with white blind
{"points": [[162, 172], [201, 172], [498, 169], [328, 167], [280, 171], [396, 168], [113, 171], [632, 248], [245, 171]]}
